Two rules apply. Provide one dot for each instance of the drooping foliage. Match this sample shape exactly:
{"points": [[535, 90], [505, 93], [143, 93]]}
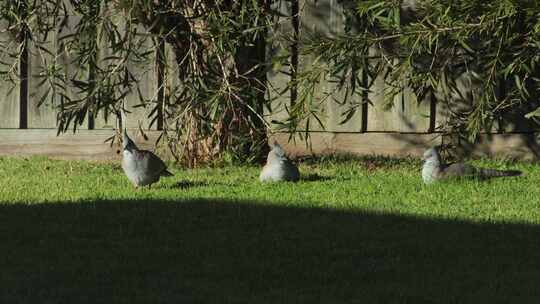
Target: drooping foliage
{"points": [[211, 53], [477, 60]]}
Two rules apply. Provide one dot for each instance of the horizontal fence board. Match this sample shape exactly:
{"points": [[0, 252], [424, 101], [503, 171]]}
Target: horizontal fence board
{"points": [[522, 146], [83, 145], [90, 145], [369, 143]]}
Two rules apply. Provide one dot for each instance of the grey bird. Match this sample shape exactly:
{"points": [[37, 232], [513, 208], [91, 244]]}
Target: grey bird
{"points": [[278, 166], [435, 170], [141, 167]]}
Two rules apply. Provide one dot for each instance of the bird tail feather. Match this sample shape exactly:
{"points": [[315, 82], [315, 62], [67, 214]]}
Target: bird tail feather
{"points": [[500, 173], [166, 173]]}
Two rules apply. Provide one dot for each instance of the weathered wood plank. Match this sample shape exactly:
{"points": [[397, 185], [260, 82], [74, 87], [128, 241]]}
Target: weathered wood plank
{"points": [[459, 100], [85, 144], [339, 103], [146, 78], [319, 17], [171, 83], [454, 100], [90, 145], [404, 114], [521, 146], [280, 74], [370, 143], [73, 71], [280, 98], [383, 114], [9, 89], [414, 115], [105, 119], [41, 58], [143, 71], [513, 119], [326, 17]]}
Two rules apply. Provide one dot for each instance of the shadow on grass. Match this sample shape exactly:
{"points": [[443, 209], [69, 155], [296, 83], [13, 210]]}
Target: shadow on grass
{"points": [[367, 161], [207, 251], [314, 178], [185, 184]]}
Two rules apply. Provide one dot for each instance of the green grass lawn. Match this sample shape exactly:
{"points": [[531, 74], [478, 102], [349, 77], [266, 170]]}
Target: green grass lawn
{"points": [[352, 231]]}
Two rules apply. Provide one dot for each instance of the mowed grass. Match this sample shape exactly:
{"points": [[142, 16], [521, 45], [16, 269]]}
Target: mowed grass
{"points": [[351, 231]]}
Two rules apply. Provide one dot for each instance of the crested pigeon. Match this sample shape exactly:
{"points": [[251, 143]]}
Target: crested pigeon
{"points": [[434, 169], [278, 166], [141, 167]]}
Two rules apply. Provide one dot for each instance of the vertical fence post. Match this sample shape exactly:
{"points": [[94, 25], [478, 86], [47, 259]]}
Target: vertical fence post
{"points": [[23, 105], [92, 79], [365, 98], [160, 70], [295, 12], [432, 113]]}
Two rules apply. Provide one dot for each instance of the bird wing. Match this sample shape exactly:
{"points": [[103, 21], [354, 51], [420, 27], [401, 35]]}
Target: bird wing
{"points": [[150, 162], [458, 170], [293, 173]]}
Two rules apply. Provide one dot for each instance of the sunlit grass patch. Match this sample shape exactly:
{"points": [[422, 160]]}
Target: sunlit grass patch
{"points": [[352, 230]]}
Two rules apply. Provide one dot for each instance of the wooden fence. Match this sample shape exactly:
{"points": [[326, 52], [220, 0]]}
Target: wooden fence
{"points": [[406, 129]]}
